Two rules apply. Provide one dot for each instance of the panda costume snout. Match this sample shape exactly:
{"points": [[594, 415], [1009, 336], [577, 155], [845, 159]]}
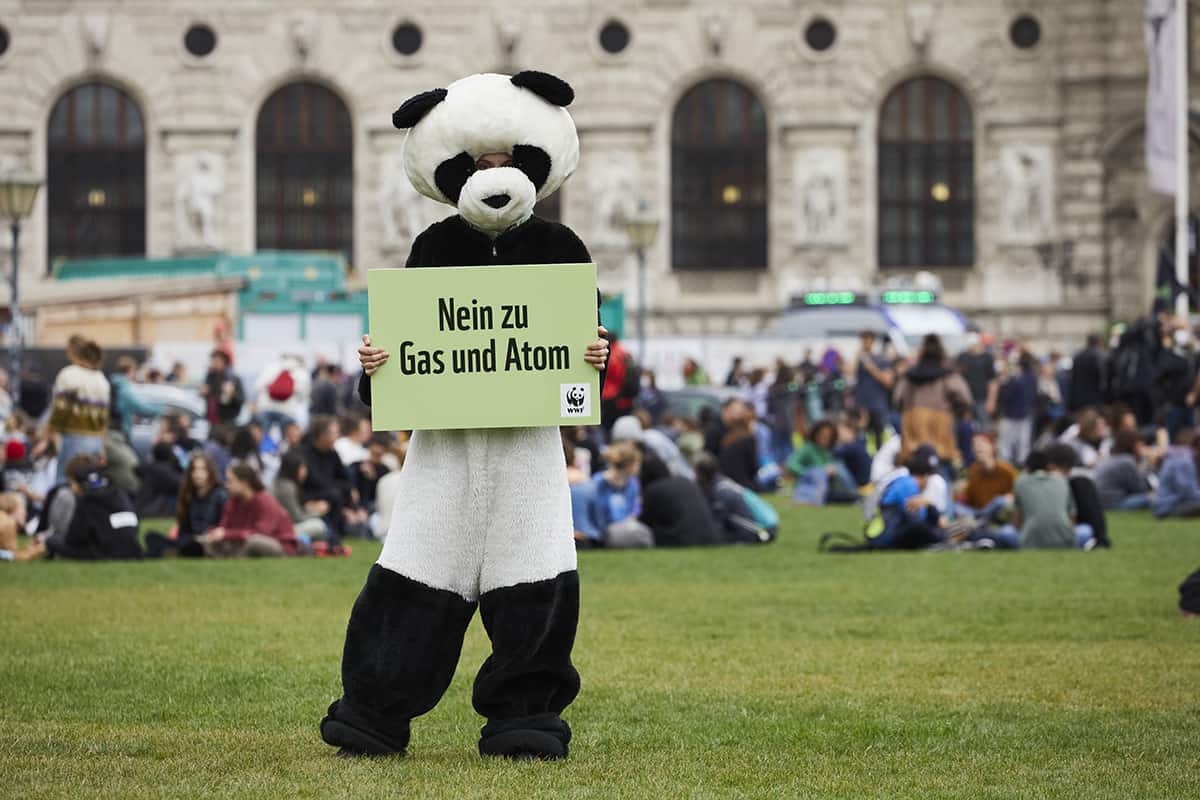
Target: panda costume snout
{"points": [[482, 517], [496, 199]]}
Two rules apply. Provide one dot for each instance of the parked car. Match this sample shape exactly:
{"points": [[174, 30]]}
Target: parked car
{"points": [[172, 398], [690, 401]]}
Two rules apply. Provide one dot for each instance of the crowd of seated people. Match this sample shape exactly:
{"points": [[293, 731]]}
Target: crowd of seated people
{"points": [[257, 486]]}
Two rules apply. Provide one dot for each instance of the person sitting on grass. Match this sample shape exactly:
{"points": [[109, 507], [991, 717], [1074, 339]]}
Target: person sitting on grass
{"points": [[617, 501], [852, 447], [1122, 484], [909, 520], [253, 523], [12, 522], [104, 526], [365, 474], [674, 509], [308, 519], [1088, 508], [1044, 516], [730, 506], [990, 482], [821, 478], [200, 504], [1178, 490]]}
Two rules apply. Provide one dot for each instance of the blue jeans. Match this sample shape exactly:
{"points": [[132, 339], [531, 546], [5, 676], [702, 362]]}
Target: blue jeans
{"points": [[1135, 502], [268, 419], [1009, 538], [986, 514], [781, 446], [74, 445]]}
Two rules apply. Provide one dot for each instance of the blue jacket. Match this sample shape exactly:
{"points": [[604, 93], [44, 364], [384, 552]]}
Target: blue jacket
{"points": [[127, 404], [612, 504], [1177, 483]]}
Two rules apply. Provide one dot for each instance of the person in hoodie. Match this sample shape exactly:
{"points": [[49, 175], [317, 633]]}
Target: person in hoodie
{"points": [[253, 523], [104, 526], [674, 509], [1178, 489], [928, 396]]}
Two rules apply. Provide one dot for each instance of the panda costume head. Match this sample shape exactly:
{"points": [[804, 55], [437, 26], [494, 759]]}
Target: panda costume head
{"points": [[523, 115]]}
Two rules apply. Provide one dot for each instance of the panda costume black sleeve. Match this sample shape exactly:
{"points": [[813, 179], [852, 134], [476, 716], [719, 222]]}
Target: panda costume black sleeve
{"points": [[482, 517]]}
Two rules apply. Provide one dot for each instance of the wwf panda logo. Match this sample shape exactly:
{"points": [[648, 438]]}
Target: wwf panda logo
{"points": [[575, 400]]}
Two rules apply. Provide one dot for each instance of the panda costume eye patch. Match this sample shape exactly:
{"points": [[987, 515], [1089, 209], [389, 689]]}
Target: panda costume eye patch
{"points": [[534, 162], [451, 175]]}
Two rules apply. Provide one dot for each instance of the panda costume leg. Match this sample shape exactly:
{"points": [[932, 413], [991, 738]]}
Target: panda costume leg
{"points": [[482, 517]]}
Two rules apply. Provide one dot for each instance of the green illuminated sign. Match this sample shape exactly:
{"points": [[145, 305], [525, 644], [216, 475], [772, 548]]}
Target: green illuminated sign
{"points": [[830, 298], [908, 297]]}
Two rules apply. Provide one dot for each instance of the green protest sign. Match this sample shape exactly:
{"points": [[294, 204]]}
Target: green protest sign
{"points": [[484, 347]]}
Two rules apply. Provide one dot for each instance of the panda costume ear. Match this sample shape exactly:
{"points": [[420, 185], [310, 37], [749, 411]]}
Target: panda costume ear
{"points": [[550, 88], [415, 108]]}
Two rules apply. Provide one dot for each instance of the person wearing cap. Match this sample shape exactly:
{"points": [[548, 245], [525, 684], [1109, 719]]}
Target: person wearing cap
{"points": [[103, 525], [910, 519]]}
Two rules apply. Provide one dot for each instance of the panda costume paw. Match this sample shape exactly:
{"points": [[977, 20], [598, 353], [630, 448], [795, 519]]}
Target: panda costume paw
{"points": [[482, 517]]}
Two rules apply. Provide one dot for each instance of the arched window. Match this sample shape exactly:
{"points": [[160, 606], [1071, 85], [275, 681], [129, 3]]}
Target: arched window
{"points": [[305, 171], [719, 179], [926, 177], [96, 175]]}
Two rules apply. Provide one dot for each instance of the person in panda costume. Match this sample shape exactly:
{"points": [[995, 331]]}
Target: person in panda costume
{"points": [[482, 517]]}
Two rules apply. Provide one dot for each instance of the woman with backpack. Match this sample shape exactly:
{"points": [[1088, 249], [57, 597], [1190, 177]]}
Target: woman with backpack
{"points": [[281, 394], [929, 396]]}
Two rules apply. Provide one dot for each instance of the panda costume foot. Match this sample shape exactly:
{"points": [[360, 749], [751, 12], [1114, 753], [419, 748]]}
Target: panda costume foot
{"points": [[353, 741], [482, 517], [543, 737]]}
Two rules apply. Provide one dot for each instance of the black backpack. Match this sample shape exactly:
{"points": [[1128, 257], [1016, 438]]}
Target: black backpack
{"points": [[631, 385]]}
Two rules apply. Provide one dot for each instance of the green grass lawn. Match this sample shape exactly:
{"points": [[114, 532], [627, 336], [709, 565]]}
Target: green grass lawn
{"points": [[737, 672]]}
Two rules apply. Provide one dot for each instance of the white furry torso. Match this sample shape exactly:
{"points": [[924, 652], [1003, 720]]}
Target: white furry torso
{"points": [[478, 510]]}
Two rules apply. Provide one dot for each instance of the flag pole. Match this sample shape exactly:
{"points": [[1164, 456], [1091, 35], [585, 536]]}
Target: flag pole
{"points": [[1182, 181]]}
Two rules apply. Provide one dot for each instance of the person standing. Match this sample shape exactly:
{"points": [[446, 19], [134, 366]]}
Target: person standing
{"points": [[1017, 398], [281, 394], [222, 389], [978, 367], [80, 404], [1089, 376], [929, 396], [873, 382], [126, 402]]}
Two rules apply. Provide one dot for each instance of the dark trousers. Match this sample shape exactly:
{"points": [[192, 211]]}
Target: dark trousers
{"points": [[402, 647]]}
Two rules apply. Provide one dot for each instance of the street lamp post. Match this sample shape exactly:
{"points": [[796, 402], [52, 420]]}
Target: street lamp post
{"points": [[641, 229], [17, 194]]}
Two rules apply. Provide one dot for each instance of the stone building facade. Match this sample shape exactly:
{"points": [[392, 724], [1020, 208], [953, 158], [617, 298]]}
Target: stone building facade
{"points": [[1064, 229]]}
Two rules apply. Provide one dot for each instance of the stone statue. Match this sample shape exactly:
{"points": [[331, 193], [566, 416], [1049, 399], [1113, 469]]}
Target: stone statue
{"points": [[95, 33], [820, 177], [612, 184], [919, 18], [1028, 171], [302, 29], [405, 212], [200, 181]]}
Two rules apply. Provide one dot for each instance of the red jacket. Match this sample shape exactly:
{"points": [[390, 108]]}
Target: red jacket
{"points": [[262, 515]]}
